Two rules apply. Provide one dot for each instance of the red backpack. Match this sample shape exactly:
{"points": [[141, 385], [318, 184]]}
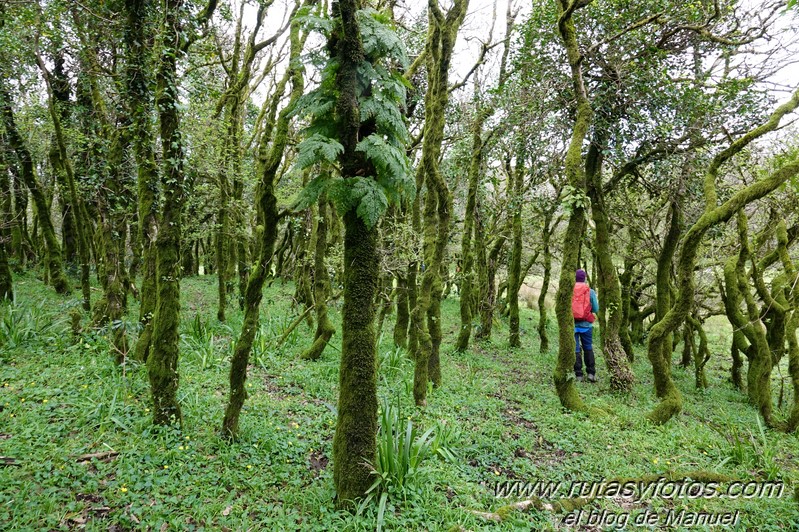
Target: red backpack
{"points": [[581, 303]]}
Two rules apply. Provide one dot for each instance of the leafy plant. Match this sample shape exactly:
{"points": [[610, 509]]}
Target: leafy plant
{"points": [[201, 343], [381, 95], [400, 453], [21, 324]]}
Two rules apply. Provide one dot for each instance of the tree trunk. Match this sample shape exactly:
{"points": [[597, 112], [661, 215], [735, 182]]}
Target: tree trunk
{"points": [[714, 214], [354, 444], [564, 369], [140, 110], [55, 266], [269, 157], [621, 376], [6, 281], [515, 256], [542, 297], [403, 313], [324, 328], [438, 202], [467, 252], [162, 364]]}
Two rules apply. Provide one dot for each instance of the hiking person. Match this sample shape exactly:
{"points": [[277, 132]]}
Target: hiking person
{"points": [[584, 305]]}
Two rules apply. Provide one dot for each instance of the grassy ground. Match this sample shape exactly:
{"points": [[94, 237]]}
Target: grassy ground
{"points": [[497, 413]]}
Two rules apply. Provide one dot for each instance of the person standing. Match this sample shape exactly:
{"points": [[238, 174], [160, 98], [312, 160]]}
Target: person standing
{"points": [[584, 306]]}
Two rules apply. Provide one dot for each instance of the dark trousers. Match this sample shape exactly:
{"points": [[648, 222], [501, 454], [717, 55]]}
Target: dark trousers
{"points": [[586, 339]]}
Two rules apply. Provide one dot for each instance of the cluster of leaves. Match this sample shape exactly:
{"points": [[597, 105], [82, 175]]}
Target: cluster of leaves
{"points": [[381, 95]]}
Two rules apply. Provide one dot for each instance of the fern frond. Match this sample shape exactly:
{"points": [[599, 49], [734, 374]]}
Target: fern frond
{"points": [[317, 149]]}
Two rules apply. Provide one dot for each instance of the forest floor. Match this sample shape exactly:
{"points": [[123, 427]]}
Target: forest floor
{"points": [[62, 400]]}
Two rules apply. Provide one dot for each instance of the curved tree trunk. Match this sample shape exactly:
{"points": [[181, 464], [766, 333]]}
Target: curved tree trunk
{"points": [[467, 252], [714, 214], [55, 266], [269, 162], [621, 376], [324, 328], [438, 202], [661, 359]]}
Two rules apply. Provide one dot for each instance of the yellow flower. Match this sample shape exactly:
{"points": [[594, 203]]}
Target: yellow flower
{"points": [[5, 384], [85, 386], [180, 448], [668, 463], [146, 409], [290, 443], [123, 489], [496, 473], [187, 438], [166, 466], [12, 415], [44, 400], [654, 460], [22, 400], [249, 466]]}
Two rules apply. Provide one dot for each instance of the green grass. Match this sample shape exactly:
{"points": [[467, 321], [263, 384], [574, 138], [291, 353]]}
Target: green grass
{"points": [[496, 417]]}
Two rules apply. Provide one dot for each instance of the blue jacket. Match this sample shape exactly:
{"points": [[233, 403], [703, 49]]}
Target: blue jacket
{"points": [[582, 326]]}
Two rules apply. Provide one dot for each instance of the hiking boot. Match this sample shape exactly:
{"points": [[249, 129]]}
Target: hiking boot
{"points": [[591, 377], [579, 378]]}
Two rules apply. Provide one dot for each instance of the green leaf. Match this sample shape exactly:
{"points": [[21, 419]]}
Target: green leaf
{"points": [[310, 194], [316, 149]]}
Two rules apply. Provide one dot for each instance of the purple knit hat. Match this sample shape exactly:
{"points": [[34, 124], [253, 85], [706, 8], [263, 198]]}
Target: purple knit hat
{"points": [[580, 276]]}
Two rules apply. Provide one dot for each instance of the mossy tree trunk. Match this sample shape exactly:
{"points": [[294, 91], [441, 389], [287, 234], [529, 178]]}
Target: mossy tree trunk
{"points": [[6, 280], [162, 364], [21, 245], [106, 142], [713, 215], [442, 32], [661, 359], [486, 275], [701, 353], [468, 280], [403, 313], [515, 257], [54, 262], [139, 105], [269, 157], [761, 361], [546, 262], [791, 325], [58, 104], [324, 328], [625, 280], [354, 443], [575, 173], [621, 376]]}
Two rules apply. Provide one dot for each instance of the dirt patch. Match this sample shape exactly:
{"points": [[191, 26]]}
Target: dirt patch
{"points": [[317, 462], [515, 418]]}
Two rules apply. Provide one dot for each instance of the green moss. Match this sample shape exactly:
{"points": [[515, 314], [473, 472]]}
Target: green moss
{"points": [[270, 156], [324, 328], [356, 428]]}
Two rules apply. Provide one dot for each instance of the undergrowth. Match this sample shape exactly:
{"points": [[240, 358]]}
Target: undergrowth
{"points": [[79, 449]]}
